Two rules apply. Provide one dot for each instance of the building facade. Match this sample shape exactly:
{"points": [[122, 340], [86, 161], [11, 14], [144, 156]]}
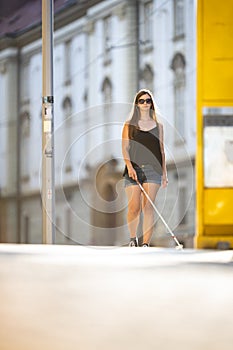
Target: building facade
{"points": [[104, 51]]}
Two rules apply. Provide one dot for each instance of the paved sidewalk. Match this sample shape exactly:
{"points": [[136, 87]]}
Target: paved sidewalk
{"points": [[86, 298]]}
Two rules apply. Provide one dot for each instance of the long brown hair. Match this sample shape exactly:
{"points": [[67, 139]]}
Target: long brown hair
{"points": [[135, 112]]}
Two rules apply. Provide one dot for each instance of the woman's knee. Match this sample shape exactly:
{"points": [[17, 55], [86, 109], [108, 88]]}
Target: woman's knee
{"points": [[134, 209], [147, 209]]}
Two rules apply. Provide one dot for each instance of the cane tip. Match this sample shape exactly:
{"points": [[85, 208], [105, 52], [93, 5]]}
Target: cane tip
{"points": [[179, 247]]}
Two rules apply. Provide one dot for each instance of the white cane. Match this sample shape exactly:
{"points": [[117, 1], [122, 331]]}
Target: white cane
{"points": [[179, 246]]}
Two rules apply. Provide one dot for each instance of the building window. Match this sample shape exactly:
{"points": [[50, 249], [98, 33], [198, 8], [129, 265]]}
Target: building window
{"points": [[67, 108], [67, 62], [107, 28], [107, 90], [178, 18], [147, 78], [25, 124], [107, 99], [148, 22], [178, 66]]}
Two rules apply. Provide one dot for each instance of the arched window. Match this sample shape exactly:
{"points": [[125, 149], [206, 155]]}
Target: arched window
{"points": [[178, 67], [67, 63], [106, 211], [107, 90], [25, 124], [67, 112], [107, 99], [147, 77], [67, 107]]}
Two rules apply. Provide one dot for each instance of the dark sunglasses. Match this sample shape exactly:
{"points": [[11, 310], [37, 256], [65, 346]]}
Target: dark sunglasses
{"points": [[141, 101]]}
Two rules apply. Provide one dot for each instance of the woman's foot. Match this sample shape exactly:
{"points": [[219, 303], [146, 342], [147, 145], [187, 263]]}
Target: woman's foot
{"points": [[133, 242]]}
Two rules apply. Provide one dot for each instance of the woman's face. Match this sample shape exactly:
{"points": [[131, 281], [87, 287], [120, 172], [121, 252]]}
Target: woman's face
{"points": [[144, 102]]}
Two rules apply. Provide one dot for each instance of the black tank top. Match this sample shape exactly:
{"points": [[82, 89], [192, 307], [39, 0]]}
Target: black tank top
{"points": [[145, 149]]}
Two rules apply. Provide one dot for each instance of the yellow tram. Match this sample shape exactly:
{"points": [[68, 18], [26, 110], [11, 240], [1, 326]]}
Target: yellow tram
{"points": [[214, 159]]}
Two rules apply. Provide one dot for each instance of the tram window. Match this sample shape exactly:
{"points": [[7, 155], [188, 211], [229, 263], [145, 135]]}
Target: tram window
{"points": [[218, 147]]}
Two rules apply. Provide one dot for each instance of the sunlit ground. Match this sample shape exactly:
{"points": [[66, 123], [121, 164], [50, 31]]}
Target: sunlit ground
{"points": [[70, 297]]}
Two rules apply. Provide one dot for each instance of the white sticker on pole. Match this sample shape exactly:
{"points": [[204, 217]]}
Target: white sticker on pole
{"points": [[47, 126]]}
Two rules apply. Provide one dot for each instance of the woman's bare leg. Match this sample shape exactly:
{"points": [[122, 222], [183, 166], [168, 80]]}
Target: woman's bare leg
{"points": [[148, 211], [134, 207]]}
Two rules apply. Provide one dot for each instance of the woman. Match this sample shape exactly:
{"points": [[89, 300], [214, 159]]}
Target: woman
{"points": [[143, 153]]}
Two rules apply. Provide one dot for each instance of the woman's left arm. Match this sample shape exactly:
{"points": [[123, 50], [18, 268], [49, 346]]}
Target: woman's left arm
{"points": [[164, 168]]}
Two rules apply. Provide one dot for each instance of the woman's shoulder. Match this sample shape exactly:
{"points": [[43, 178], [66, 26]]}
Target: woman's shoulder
{"points": [[160, 125], [127, 124], [125, 130]]}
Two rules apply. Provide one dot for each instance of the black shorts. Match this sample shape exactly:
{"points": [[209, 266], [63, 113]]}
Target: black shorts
{"points": [[146, 174]]}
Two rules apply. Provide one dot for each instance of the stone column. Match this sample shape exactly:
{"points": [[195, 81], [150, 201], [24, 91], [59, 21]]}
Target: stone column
{"points": [[9, 117]]}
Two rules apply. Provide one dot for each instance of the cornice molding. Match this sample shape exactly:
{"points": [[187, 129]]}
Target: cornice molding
{"points": [[61, 19]]}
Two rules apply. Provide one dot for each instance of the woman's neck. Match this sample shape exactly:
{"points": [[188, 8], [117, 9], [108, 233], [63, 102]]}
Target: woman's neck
{"points": [[145, 115]]}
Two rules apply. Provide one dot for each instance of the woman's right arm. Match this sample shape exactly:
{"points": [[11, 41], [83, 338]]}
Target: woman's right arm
{"points": [[125, 151]]}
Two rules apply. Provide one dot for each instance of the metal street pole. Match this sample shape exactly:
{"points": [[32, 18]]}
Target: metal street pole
{"points": [[48, 187]]}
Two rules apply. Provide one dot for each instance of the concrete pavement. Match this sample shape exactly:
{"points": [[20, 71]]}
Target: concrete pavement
{"points": [[71, 297]]}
